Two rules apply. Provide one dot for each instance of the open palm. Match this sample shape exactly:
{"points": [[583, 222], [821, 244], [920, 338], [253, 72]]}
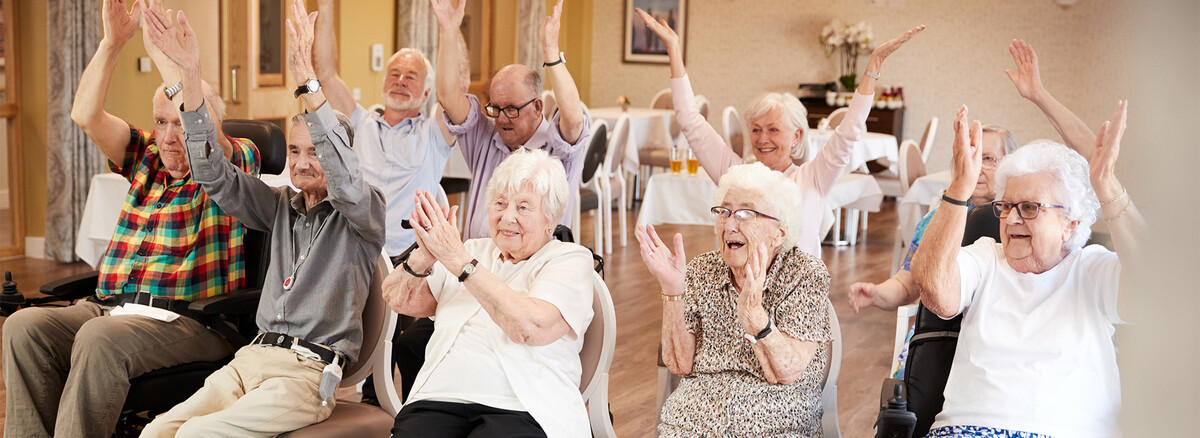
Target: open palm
{"points": [[177, 41], [668, 267]]}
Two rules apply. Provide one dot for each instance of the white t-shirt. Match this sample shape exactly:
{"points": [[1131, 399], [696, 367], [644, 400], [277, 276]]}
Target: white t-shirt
{"points": [[1035, 353], [545, 379]]}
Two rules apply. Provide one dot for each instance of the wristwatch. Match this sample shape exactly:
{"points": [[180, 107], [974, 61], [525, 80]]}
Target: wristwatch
{"points": [[173, 90], [308, 87], [468, 270]]}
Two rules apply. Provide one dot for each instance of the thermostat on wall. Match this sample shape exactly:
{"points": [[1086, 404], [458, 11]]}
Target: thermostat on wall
{"points": [[377, 57]]}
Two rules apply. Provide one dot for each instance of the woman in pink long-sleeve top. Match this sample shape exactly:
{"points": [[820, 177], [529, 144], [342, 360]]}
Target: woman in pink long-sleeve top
{"points": [[776, 123]]}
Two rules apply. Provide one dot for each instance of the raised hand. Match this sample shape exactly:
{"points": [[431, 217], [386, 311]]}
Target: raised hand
{"points": [[862, 294], [666, 266], [449, 17], [160, 59], [660, 28], [1027, 78], [886, 49], [120, 24], [300, 33], [436, 233], [1104, 160], [177, 41], [968, 156], [750, 312], [550, 28]]}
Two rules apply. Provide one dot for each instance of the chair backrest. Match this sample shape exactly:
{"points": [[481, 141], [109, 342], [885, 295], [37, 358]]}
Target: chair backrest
{"points": [[549, 104], [596, 151], [911, 165], [268, 137], [835, 118], [378, 324], [927, 138], [662, 100], [616, 146], [702, 105], [731, 123], [599, 346], [829, 419]]}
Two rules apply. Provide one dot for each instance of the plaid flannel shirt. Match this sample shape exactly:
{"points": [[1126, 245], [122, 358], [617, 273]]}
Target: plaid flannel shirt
{"points": [[171, 240]]}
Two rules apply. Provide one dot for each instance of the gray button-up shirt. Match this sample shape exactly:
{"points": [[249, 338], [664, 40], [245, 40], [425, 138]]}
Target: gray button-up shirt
{"points": [[345, 232]]}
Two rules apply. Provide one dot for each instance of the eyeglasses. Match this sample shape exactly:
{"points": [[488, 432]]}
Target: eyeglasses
{"points": [[990, 162], [1028, 210], [745, 214], [510, 111]]}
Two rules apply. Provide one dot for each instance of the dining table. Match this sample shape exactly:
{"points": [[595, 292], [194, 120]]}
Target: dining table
{"points": [[870, 145], [916, 201], [648, 128]]}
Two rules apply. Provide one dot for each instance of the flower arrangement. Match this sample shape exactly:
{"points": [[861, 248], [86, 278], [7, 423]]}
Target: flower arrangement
{"points": [[623, 101], [849, 41]]}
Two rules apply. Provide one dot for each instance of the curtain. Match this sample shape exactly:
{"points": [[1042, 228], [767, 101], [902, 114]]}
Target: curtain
{"points": [[74, 30], [417, 28], [529, 33]]}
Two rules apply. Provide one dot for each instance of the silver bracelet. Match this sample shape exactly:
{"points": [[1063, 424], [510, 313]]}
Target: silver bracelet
{"points": [[874, 76]]}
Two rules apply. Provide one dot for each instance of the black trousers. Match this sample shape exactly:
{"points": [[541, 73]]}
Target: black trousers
{"points": [[455, 420]]}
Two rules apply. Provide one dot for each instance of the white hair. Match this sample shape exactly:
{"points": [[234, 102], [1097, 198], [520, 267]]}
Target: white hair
{"points": [[1008, 143], [538, 169], [298, 120], [780, 192], [216, 105], [792, 114], [429, 80], [1072, 186]]}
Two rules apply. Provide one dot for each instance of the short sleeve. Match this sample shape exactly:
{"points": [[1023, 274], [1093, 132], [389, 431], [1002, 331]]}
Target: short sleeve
{"points": [[1103, 268], [564, 282], [474, 117], [358, 115], [974, 261], [139, 142], [437, 142], [803, 313], [559, 147]]}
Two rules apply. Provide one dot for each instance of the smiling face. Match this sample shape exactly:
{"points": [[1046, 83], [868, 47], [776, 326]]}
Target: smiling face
{"points": [[168, 135], [1034, 245], [303, 165], [510, 87], [773, 141], [985, 188], [738, 238], [404, 85], [517, 223]]}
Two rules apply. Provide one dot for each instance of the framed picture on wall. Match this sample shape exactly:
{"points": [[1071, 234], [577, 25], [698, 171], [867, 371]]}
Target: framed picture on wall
{"points": [[641, 44]]}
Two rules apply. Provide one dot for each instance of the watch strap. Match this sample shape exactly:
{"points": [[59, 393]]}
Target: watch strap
{"points": [[765, 331], [467, 272], [171, 91], [954, 201]]}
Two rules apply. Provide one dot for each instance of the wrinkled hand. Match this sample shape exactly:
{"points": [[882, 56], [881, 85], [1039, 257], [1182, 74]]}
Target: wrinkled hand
{"points": [[750, 312], [667, 267], [449, 17], [435, 231], [884, 50], [1027, 78], [300, 33], [160, 59], [119, 24], [862, 294], [660, 28], [550, 28], [968, 155], [177, 41], [1104, 160]]}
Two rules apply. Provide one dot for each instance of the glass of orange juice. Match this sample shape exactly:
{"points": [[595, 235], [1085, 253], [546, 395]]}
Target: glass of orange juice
{"points": [[677, 158], [693, 164]]}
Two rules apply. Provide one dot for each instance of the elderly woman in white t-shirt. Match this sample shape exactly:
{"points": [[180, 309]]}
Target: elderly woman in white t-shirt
{"points": [[1035, 356], [510, 312]]}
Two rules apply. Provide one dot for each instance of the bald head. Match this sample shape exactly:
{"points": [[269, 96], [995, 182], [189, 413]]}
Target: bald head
{"points": [[518, 78]]}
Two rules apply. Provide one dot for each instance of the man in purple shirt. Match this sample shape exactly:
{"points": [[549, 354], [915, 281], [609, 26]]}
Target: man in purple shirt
{"points": [[514, 115]]}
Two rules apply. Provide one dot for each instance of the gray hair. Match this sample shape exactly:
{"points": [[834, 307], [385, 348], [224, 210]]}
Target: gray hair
{"points": [[541, 171], [214, 102], [781, 193], [298, 119], [792, 114], [1007, 141], [429, 80], [1072, 186]]}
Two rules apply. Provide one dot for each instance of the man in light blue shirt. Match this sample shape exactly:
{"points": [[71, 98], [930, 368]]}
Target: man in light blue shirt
{"points": [[399, 151]]}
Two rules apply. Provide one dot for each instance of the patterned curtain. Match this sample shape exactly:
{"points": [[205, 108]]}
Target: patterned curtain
{"points": [[529, 33], [74, 31], [417, 28]]}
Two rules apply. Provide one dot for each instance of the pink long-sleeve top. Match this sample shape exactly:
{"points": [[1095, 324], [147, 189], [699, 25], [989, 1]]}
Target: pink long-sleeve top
{"points": [[815, 178]]}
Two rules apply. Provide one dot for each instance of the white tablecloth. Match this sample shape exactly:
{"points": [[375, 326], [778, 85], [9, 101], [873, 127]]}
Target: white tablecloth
{"points": [[102, 209], [915, 202], [870, 146], [648, 128]]}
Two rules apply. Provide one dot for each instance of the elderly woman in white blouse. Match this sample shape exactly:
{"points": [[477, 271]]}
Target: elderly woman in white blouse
{"points": [[747, 326], [1035, 356], [510, 312]]}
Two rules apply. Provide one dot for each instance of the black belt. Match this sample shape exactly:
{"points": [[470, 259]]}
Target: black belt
{"points": [[145, 298], [327, 355]]}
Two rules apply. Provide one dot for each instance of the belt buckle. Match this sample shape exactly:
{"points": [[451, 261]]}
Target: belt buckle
{"points": [[279, 340]]}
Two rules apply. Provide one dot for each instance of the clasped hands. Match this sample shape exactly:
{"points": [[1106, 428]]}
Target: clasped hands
{"points": [[437, 238]]}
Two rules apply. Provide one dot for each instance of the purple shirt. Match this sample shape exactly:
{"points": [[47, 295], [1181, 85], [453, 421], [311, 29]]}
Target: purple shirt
{"points": [[484, 150]]}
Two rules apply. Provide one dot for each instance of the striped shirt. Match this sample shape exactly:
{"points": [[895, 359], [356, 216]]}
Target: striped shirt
{"points": [[171, 240]]}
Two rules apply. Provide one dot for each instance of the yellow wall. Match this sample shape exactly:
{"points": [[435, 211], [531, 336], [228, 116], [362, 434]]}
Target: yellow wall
{"points": [[31, 18], [360, 24]]}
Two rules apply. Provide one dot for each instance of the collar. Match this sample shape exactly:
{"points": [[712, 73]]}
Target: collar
{"points": [[299, 206], [408, 121], [539, 139]]}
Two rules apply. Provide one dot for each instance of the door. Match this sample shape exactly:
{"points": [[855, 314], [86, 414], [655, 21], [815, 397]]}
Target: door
{"points": [[254, 76], [12, 225]]}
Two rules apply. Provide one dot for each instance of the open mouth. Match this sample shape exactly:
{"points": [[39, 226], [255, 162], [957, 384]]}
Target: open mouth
{"points": [[767, 149], [507, 233], [506, 128], [734, 245], [1018, 236]]}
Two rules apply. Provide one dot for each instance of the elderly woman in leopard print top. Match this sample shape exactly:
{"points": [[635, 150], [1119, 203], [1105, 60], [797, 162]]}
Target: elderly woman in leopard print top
{"points": [[747, 325]]}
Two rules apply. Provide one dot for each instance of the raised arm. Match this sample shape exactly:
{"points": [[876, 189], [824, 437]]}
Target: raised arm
{"points": [[1028, 80], [109, 132], [449, 62], [1125, 223], [678, 342], [935, 266], [168, 69], [570, 124], [325, 61]]}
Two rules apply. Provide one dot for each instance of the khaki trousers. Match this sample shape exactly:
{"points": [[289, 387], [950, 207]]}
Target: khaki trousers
{"points": [[264, 392], [67, 369]]}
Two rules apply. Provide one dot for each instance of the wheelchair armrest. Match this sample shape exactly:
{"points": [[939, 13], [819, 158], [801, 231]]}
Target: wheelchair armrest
{"points": [[237, 302], [888, 390], [72, 287]]}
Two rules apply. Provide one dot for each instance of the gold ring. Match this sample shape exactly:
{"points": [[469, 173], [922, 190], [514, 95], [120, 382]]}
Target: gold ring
{"points": [[428, 228]]}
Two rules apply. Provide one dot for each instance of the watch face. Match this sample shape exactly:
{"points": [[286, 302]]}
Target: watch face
{"points": [[313, 85], [469, 269]]}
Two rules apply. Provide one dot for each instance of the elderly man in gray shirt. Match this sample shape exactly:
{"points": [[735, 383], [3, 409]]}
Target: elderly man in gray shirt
{"points": [[325, 241]]}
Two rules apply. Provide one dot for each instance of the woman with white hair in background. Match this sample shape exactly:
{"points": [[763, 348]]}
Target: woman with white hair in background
{"points": [[1035, 355], [777, 123], [747, 326], [510, 312]]}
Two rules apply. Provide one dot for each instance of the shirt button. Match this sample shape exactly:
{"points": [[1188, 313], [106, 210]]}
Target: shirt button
{"points": [[319, 156], [158, 205], [302, 257], [279, 316], [141, 252], [306, 225]]}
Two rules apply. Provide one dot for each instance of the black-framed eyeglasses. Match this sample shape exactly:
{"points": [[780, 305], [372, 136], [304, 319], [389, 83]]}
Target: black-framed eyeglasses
{"points": [[1028, 210], [510, 111], [745, 214]]}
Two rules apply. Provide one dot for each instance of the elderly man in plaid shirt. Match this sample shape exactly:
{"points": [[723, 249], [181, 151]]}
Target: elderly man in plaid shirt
{"points": [[67, 370]]}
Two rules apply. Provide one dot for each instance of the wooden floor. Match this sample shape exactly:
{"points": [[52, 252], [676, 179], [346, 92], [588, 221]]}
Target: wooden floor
{"points": [[867, 337]]}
